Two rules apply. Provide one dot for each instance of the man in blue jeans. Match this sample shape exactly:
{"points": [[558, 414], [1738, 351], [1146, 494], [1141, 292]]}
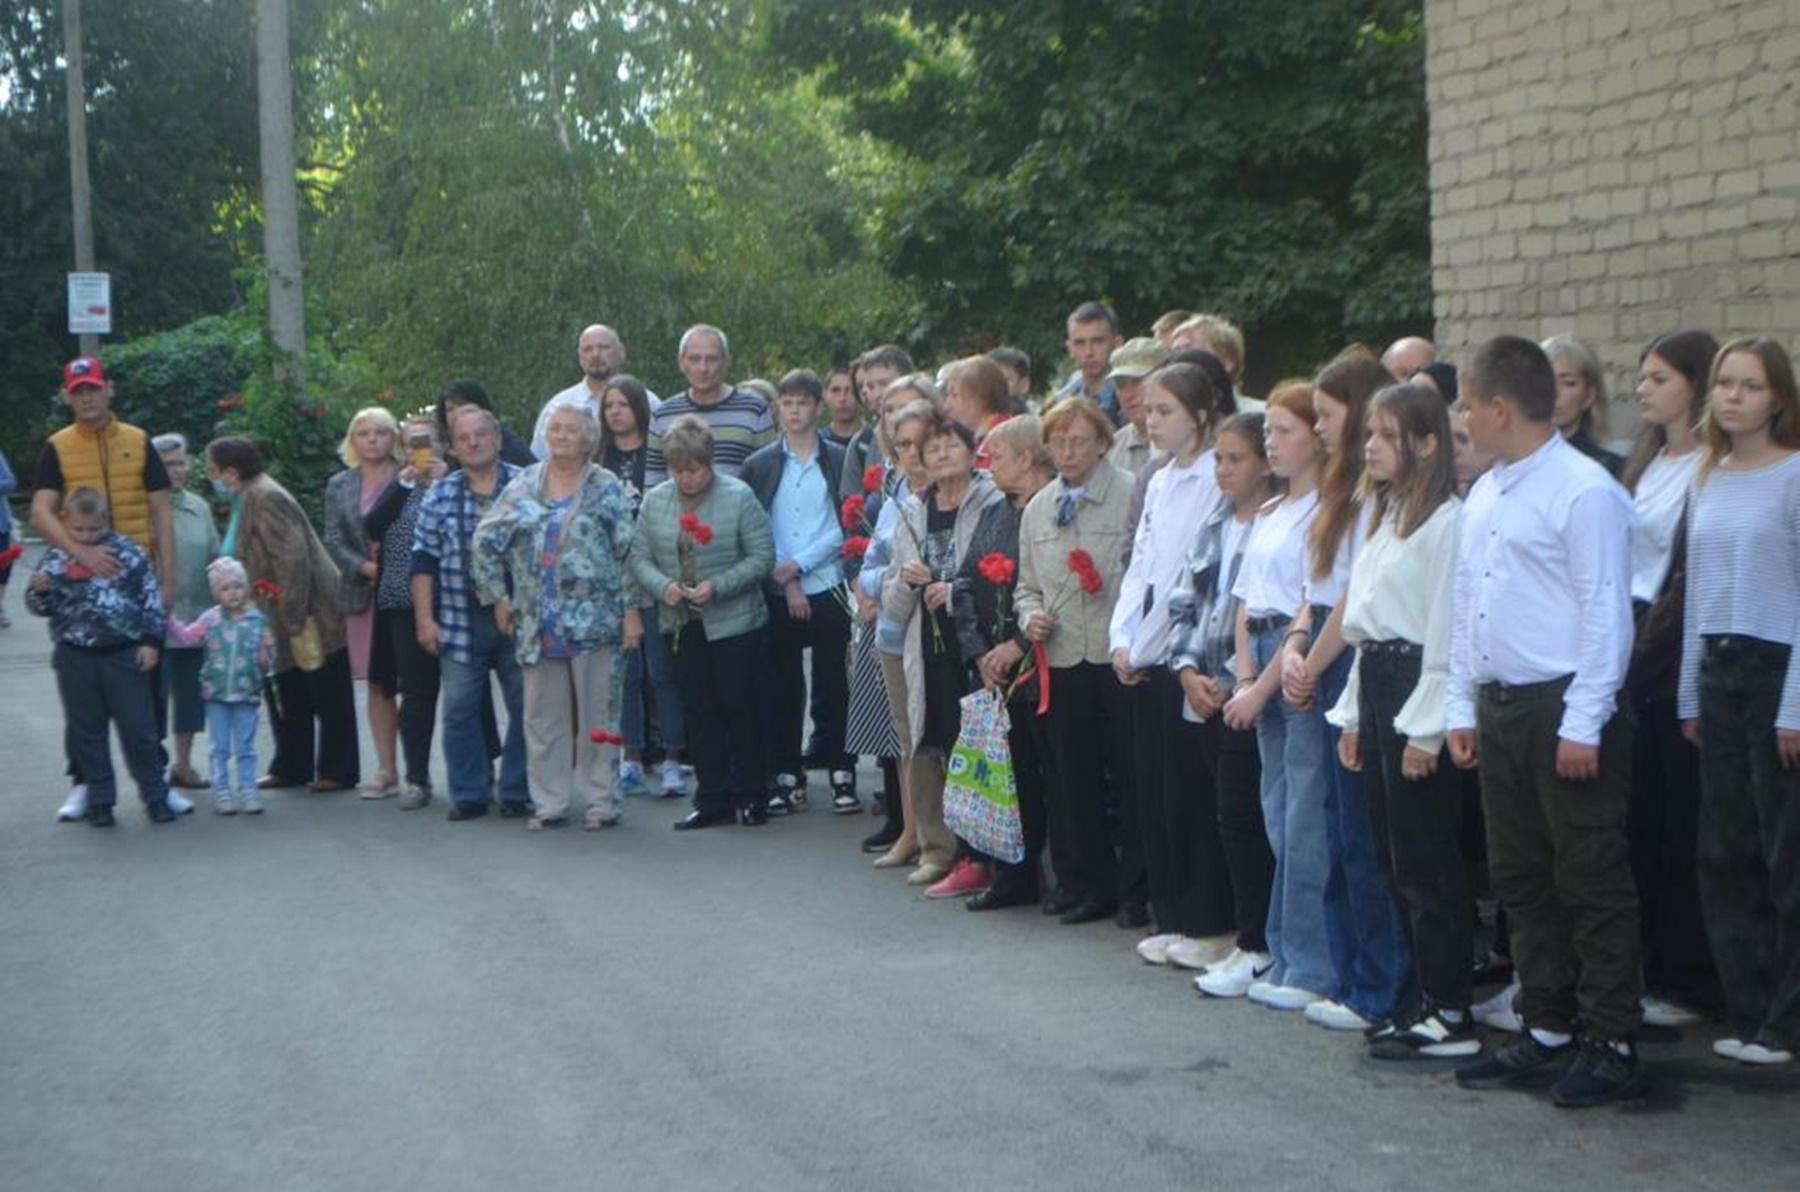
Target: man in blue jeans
{"points": [[461, 632]]}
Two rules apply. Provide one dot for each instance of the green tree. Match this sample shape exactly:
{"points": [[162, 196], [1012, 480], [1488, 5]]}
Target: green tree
{"points": [[1262, 159]]}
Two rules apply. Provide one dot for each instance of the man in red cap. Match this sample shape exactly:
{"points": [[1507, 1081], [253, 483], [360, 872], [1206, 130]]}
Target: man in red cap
{"points": [[100, 452]]}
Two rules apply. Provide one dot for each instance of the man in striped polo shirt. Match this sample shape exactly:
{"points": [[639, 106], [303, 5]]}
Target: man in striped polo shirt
{"points": [[739, 420]]}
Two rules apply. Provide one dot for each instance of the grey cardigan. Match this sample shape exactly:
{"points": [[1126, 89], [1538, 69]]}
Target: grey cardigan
{"points": [[347, 542], [740, 555]]}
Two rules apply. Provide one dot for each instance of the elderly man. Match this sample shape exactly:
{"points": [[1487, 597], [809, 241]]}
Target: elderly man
{"points": [[602, 355], [1131, 363], [462, 632], [98, 451], [1093, 333], [739, 420], [1407, 355]]}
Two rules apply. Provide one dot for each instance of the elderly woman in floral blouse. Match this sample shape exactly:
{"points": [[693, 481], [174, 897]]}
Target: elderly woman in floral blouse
{"points": [[550, 557]]}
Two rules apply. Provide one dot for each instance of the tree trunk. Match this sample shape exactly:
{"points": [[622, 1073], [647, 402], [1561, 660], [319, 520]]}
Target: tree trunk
{"points": [[281, 204]]}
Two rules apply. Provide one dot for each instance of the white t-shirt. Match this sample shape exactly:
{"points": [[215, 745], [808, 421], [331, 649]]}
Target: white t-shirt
{"points": [[1330, 589], [1661, 492], [1273, 575]]}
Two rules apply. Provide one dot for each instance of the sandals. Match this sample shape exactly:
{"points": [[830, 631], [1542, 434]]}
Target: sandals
{"points": [[186, 778], [538, 823], [382, 786]]}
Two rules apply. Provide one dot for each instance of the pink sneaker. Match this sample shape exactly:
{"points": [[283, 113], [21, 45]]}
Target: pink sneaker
{"points": [[966, 877]]}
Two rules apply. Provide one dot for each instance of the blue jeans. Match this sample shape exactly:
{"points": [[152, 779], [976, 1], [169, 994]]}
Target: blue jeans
{"points": [[466, 759], [654, 655], [1295, 793], [1374, 968], [231, 732]]}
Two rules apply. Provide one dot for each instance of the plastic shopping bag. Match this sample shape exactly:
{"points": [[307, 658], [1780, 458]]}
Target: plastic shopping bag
{"points": [[981, 799]]}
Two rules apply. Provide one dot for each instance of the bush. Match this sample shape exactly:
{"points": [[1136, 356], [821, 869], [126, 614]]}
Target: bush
{"points": [[185, 380]]}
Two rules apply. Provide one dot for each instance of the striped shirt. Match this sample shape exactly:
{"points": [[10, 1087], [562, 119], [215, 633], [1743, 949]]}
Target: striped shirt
{"points": [[1743, 572], [740, 423]]}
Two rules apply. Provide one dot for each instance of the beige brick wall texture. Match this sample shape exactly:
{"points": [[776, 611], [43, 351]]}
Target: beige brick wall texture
{"points": [[1615, 169]]}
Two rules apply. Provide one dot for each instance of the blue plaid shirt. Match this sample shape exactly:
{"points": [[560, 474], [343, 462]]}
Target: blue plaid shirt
{"points": [[441, 538]]}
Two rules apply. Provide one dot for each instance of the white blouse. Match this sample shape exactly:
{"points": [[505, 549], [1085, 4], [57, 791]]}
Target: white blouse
{"points": [[1329, 589], [1404, 588], [1272, 579], [1176, 504], [1661, 492]]}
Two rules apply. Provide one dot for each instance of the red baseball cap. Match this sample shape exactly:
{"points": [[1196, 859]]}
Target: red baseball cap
{"points": [[83, 370]]}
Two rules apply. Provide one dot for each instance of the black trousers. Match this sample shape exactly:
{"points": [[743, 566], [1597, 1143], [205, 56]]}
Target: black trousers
{"points": [[327, 697], [1560, 862], [417, 692], [1665, 823], [1417, 829], [1028, 742], [1749, 849], [720, 694], [827, 633], [1188, 881], [101, 689], [1090, 739], [1231, 758]]}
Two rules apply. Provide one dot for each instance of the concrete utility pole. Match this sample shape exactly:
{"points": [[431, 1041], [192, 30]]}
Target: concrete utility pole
{"points": [[80, 188], [281, 203]]}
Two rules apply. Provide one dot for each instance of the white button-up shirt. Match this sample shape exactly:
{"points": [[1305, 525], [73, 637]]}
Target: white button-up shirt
{"points": [[1272, 578], [1543, 586], [1176, 504]]}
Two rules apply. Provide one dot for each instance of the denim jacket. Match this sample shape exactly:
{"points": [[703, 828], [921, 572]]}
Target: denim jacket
{"points": [[99, 613], [1202, 611], [592, 585]]}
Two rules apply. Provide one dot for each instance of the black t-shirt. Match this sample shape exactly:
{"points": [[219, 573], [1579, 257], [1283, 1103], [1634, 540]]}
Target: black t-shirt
{"points": [[49, 471]]}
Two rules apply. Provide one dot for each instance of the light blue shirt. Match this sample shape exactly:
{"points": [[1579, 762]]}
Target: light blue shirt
{"points": [[807, 530]]}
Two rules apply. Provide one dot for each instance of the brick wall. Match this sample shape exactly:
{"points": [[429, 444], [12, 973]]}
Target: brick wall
{"points": [[1615, 169]]}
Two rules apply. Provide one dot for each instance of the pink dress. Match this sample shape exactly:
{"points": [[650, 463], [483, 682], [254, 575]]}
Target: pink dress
{"points": [[359, 628]]}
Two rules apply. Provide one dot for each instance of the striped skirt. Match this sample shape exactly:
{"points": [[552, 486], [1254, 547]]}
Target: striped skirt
{"points": [[869, 729]]}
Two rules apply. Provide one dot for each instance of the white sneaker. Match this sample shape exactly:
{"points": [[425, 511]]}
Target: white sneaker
{"points": [[1155, 948], [179, 803], [1335, 1016], [224, 803], [1729, 1049], [674, 780], [1286, 997], [1765, 1053], [1658, 1012], [251, 801], [1204, 953], [74, 807], [1497, 1012], [1236, 976]]}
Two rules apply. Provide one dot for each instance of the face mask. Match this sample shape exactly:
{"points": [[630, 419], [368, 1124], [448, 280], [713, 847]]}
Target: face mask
{"points": [[221, 491]]}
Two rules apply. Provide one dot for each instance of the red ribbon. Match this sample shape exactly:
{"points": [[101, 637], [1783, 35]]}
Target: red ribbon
{"points": [[1042, 661]]}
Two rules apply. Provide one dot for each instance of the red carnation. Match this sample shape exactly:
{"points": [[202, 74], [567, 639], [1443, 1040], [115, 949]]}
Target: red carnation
{"points": [[1082, 564], [268, 589], [873, 475], [996, 568], [856, 508], [600, 736], [856, 546], [694, 528], [10, 555]]}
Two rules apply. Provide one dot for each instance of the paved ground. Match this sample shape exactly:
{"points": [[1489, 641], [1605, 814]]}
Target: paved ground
{"points": [[342, 995]]}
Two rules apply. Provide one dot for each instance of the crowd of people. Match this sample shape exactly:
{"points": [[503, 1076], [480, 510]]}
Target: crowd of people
{"points": [[1284, 685]]}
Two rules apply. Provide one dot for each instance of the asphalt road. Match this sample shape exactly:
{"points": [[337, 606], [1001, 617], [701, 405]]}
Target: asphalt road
{"points": [[341, 995]]}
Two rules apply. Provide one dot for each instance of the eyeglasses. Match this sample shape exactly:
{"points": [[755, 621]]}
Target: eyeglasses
{"points": [[1070, 442]]}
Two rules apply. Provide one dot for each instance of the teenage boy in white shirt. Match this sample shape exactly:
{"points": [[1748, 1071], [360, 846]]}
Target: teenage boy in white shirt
{"points": [[1541, 638]]}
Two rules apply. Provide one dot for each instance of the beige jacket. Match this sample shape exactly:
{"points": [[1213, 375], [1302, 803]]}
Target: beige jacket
{"points": [[1102, 527]]}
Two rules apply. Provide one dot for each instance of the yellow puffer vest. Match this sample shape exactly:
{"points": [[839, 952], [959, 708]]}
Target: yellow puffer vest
{"points": [[116, 470]]}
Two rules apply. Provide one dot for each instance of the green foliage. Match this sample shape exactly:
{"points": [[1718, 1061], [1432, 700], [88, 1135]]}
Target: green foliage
{"points": [[185, 380], [1265, 160]]}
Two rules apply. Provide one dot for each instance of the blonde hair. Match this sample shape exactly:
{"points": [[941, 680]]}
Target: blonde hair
{"points": [[688, 441], [918, 408], [85, 502], [1071, 409], [381, 416], [1784, 400], [1226, 339], [1025, 433]]}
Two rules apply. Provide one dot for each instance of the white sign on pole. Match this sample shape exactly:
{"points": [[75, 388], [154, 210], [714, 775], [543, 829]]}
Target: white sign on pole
{"points": [[90, 304]]}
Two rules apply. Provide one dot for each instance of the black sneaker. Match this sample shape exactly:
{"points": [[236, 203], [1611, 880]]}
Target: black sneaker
{"points": [[843, 793], [1514, 1060], [1428, 1035], [879, 840], [515, 810], [466, 811], [99, 817], [159, 812], [752, 816], [1600, 1073]]}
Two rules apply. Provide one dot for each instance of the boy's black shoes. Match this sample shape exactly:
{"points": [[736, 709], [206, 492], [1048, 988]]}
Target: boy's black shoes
{"points": [[158, 813], [99, 817], [1514, 1061], [1600, 1073]]}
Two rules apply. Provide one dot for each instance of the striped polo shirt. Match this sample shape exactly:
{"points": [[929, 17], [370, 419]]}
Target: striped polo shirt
{"points": [[740, 423]]}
